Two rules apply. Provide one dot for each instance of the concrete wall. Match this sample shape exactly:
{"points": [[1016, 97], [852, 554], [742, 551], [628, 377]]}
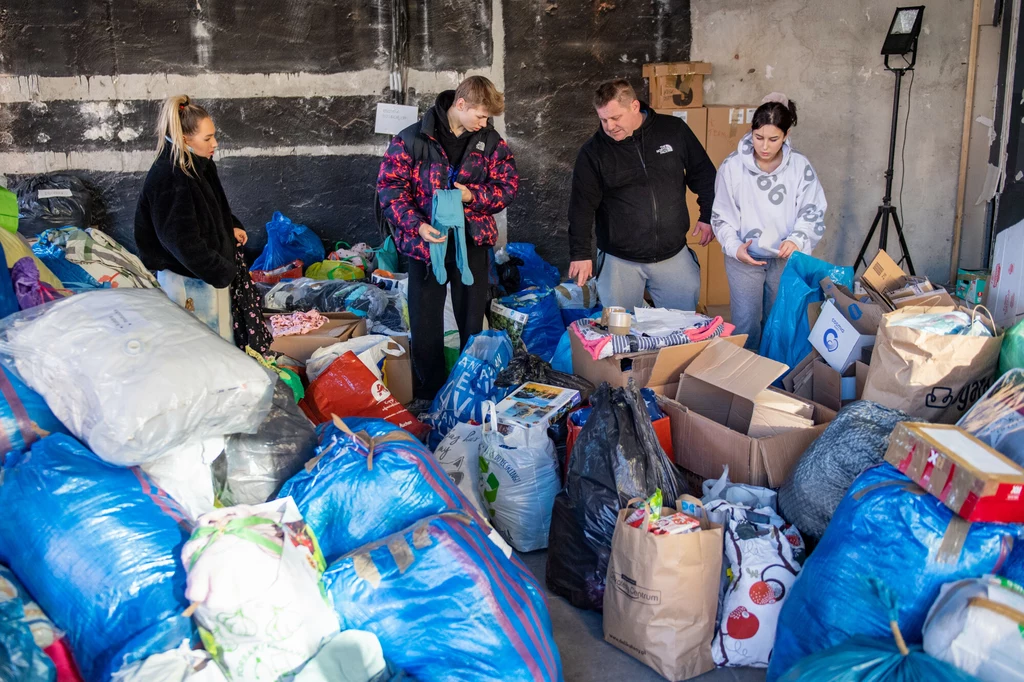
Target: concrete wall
{"points": [[825, 55], [293, 84]]}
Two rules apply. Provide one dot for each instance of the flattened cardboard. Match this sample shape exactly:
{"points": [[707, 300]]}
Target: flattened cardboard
{"points": [[800, 380], [339, 327], [864, 315], [968, 476], [777, 412], [658, 370], [735, 370], [884, 274]]}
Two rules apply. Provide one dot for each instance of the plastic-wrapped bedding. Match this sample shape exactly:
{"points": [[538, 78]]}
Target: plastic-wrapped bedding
{"points": [[132, 374], [371, 481], [328, 296], [886, 529], [854, 441], [447, 605], [97, 546]]}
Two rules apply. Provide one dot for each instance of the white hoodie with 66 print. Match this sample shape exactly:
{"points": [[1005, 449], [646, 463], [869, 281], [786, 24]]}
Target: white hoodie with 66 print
{"points": [[769, 208]]}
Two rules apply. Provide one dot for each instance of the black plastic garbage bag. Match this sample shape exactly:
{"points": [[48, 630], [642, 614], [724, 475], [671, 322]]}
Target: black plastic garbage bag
{"points": [[255, 466], [853, 443], [525, 367], [616, 458], [65, 200], [508, 275]]}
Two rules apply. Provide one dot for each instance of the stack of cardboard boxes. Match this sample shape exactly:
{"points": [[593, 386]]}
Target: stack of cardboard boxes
{"points": [[678, 89]]}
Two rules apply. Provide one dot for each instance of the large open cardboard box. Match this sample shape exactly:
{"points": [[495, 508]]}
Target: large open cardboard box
{"points": [[656, 370], [339, 327], [716, 402]]}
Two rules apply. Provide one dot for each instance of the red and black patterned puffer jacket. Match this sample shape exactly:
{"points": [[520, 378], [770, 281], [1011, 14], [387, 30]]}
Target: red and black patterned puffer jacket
{"points": [[415, 165]]}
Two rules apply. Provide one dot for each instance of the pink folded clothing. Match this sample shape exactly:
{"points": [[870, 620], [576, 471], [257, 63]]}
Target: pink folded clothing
{"points": [[293, 324], [600, 343]]}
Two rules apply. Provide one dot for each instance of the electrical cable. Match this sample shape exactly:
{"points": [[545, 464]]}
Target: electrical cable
{"points": [[903, 150]]}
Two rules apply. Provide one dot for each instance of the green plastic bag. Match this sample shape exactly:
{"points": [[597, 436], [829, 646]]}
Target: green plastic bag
{"points": [[1011, 354], [8, 210], [387, 256]]}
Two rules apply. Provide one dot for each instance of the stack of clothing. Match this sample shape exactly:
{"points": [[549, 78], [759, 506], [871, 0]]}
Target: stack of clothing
{"points": [[601, 343]]}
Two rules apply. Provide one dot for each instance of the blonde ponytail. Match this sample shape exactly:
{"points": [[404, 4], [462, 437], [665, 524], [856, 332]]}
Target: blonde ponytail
{"points": [[179, 117]]}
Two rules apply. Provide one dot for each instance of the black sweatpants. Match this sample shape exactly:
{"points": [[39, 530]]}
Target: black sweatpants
{"points": [[426, 314]]}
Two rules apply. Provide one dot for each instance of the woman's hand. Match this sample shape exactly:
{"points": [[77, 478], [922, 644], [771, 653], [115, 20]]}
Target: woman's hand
{"points": [[744, 257], [431, 235], [467, 196], [240, 236], [786, 249]]}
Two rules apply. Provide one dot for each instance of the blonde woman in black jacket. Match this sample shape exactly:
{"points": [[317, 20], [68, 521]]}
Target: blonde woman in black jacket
{"points": [[186, 233]]}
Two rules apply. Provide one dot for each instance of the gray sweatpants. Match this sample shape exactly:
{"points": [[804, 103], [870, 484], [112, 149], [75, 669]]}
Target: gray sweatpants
{"points": [[673, 283], [752, 291]]}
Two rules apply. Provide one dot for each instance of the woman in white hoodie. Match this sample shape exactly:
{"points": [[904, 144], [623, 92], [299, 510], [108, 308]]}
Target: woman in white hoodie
{"points": [[768, 204]]}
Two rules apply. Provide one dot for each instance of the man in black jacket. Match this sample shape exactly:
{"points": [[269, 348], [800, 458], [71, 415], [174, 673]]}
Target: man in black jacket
{"points": [[631, 179]]}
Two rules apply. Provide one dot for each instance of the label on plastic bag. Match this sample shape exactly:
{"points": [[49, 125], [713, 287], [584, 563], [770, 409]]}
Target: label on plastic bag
{"points": [[55, 193], [123, 322]]}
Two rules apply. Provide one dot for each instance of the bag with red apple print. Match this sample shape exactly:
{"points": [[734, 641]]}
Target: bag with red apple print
{"points": [[764, 555]]}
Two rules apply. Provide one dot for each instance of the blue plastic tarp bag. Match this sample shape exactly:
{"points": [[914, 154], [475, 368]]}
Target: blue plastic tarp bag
{"points": [[349, 501], [543, 326], [447, 605], [23, 413], [535, 271], [470, 384], [21, 660], [72, 275], [885, 529], [98, 547], [288, 241], [785, 333], [561, 361], [8, 300]]}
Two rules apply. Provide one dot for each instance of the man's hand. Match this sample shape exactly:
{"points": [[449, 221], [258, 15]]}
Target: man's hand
{"points": [[467, 196], [581, 270], [786, 249], [240, 236], [744, 257], [431, 235], [703, 230]]}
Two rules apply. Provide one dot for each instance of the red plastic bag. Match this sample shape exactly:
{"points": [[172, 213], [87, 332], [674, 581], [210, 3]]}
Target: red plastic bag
{"points": [[291, 270], [349, 389]]}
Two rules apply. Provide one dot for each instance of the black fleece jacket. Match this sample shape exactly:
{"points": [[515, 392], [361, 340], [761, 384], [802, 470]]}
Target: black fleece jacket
{"points": [[635, 191], [183, 222]]}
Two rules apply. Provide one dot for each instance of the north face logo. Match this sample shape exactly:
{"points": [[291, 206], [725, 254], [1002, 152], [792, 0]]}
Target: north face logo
{"points": [[665, 149], [480, 146]]}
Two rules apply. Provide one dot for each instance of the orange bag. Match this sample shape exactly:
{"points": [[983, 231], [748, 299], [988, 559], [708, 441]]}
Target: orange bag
{"points": [[349, 389]]}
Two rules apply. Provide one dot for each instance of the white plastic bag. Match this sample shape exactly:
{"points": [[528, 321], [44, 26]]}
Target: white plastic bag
{"points": [[352, 656], [572, 296], [976, 625], [185, 475], [764, 555], [183, 664], [133, 375], [254, 580], [740, 494], [459, 455], [370, 349], [518, 482]]}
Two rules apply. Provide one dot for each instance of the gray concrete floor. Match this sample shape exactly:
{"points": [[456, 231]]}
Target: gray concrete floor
{"points": [[587, 658]]}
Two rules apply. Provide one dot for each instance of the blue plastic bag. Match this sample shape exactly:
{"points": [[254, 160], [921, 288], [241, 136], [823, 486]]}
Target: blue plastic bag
{"points": [[8, 300], [543, 327], [288, 241], [72, 275], [470, 384], [561, 361], [20, 409], [785, 333], [535, 271], [447, 605], [98, 547], [348, 504], [20, 659], [888, 529]]}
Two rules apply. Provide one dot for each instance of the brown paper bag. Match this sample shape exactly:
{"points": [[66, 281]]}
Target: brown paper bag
{"points": [[930, 376], [661, 599]]}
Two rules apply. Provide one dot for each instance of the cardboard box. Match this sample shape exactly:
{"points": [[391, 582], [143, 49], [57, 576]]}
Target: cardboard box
{"points": [[718, 282], [658, 370], [339, 327], [676, 85], [970, 285], [883, 276], [695, 117], [813, 379], [836, 339], [1004, 296], [969, 477], [717, 404], [398, 372], [727, 124], [535, 405], [862, 312]]}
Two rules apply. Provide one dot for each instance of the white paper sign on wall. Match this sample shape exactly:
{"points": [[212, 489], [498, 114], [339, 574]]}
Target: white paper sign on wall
{"points": [[394, 118]]}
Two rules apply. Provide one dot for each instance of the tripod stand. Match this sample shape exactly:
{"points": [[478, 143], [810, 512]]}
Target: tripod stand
{"points": [[887, 210]]}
